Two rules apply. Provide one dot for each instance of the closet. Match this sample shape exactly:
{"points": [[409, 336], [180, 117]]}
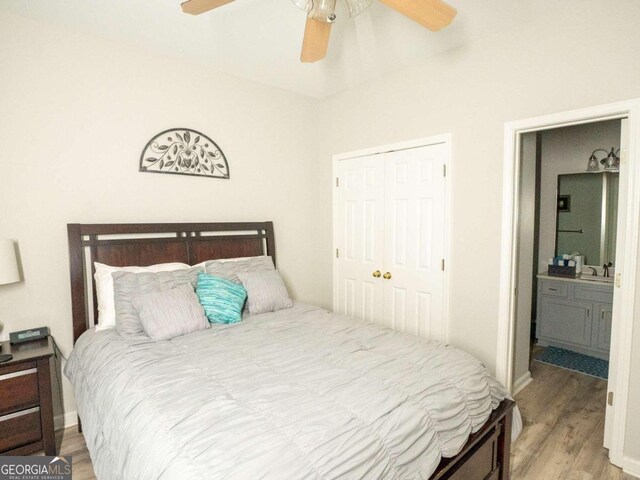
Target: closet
{"points": [[389, 233]]}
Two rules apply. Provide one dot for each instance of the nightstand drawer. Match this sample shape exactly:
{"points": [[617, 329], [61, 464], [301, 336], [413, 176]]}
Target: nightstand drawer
{"points": [[26, 407], [20, 428], [18, 390]]}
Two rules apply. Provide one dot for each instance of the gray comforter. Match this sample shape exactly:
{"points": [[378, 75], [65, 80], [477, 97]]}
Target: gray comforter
{"points": [[296, 394]]}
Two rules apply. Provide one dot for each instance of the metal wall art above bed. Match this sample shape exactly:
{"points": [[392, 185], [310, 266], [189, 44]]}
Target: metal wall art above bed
{"points": [[183, 151]]}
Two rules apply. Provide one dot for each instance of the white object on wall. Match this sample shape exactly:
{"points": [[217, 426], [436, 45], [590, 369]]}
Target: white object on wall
{"points": [[9, 272]]}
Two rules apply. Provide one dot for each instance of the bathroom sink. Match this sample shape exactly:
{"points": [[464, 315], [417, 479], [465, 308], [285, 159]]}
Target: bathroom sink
{"points": [[599, 278]]}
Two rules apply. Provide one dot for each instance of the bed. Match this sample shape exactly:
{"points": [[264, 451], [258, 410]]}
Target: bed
{"points": [[297, 393]]}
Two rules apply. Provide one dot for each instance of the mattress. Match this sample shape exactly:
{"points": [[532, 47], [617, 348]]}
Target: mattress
{"points": [[296, 394]]}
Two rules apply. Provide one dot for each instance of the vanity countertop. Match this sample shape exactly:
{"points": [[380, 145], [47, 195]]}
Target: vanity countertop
{"points": [[600, 283]]}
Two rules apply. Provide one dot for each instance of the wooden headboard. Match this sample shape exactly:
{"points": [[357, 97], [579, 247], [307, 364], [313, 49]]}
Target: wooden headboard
{"points": [[144, 244]]}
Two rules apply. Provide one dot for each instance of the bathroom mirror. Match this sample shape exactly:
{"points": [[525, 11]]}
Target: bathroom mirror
{"points": [[586, 220]]}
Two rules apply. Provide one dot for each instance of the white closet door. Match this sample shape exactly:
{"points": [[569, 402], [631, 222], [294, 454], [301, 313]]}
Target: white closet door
{"points": [[359, 229], [415, 241]]}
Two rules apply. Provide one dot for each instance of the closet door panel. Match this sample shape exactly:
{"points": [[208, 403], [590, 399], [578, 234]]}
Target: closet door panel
{"points": [[359, 227], [414, 246], [398, 318]]}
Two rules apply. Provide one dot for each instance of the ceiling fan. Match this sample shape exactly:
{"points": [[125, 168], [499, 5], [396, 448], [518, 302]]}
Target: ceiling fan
{"points": [[432, 14]]}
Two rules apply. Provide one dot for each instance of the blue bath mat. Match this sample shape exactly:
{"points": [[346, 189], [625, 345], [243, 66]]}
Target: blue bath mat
{"points": [[574, 361]]}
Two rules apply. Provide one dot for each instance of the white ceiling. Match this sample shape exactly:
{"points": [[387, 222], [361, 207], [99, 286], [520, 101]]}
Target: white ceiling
{"points": [[260, 40]]}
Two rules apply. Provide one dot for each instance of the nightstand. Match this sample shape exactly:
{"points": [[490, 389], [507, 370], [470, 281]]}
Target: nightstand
{"points": [[26, 409]]}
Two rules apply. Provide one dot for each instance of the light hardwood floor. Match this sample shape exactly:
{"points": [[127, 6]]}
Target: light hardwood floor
{"points": [[70, 442], [563, 416]]}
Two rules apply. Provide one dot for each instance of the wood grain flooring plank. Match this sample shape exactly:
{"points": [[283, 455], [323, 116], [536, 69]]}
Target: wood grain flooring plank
{"points": [[563, 414]]}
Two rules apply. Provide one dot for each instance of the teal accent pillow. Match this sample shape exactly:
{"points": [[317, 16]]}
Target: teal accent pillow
{"points": [[222, 300]]}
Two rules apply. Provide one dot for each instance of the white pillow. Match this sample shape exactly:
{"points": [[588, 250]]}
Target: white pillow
{"points": [[104, 288], [222, 260]]}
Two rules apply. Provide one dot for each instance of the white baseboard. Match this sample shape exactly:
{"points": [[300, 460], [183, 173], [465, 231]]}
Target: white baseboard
{"points": [[631, 466], [522, 382], [65, 421]]}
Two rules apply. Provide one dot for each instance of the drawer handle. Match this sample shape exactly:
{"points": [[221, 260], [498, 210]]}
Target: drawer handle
{"points": [[19, 373], [19, 414], [553, 289]]}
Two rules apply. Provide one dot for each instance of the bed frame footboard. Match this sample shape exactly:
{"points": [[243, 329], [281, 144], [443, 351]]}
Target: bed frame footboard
{"points": [[486, 455]]}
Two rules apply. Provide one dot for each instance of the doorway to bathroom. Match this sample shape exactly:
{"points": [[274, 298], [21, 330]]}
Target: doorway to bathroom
{"points": [[568, 212], [567, 235], [605, 304]]}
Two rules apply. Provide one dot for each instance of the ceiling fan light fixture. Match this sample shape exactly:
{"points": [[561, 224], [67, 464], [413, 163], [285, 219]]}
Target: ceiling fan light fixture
{"points": [[356, 7], [323, 10], [305, 5], [320, 10]]}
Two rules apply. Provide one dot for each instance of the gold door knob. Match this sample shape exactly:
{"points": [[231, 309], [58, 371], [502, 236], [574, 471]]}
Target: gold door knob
{"points": [[387, 276], [377, 274]]}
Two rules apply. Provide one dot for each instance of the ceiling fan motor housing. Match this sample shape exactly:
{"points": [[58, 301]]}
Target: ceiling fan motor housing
{"points": [[323, 10]]}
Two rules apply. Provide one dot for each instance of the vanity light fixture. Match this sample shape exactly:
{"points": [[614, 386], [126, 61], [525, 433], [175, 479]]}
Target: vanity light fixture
{"points": [[610, 163]]}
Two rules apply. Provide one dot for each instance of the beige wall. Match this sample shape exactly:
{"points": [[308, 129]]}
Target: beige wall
{"points": [[556, 62], [76, 114]]}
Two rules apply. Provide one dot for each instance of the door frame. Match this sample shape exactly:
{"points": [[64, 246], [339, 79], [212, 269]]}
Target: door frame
{"points": [[622, 328], [446, 139]]}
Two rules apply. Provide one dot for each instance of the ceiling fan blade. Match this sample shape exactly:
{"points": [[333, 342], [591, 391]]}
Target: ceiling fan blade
{"points": [[196, 7], [432, 14], [316, 41]]}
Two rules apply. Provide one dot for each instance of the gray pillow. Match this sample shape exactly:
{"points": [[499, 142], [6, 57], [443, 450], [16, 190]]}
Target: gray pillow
{"points": [[126, 285], [165, 314], [229, 269], [266, 291]]}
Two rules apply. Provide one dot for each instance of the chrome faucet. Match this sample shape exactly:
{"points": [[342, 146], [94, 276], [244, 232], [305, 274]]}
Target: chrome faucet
{"points": [[595, 272]]}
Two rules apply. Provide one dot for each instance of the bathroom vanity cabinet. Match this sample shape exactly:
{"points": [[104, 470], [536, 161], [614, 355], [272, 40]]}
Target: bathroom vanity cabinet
{"points": [[575, 315]]}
